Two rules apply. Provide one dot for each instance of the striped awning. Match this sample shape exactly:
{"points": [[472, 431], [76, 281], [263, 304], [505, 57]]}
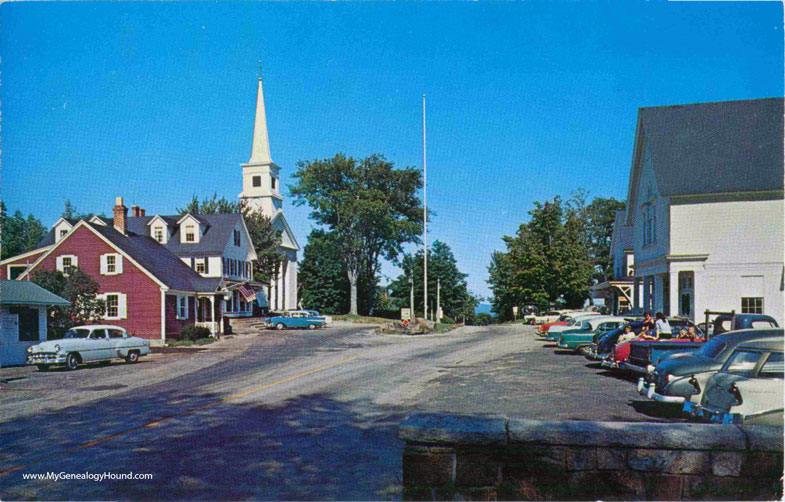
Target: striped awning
{"points": [[247, 293]]}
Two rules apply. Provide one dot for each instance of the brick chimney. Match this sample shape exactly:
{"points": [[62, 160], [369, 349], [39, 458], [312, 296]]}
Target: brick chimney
{"points": [[142, 212], [136, 211], [120, 215]]}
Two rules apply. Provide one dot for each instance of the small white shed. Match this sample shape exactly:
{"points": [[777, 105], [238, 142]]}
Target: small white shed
{"points": [[22, 318]]}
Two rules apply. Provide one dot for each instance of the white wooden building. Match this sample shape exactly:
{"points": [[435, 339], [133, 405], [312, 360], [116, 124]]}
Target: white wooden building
{"points": [[705, 202]]}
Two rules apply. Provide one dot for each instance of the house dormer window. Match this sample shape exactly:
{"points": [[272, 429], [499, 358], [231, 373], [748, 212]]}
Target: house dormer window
{"points": [[158, 233], [63, 233], [190, 235]]}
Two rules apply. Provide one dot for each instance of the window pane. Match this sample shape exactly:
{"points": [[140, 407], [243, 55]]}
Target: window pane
{"points": [[773, 367], [743, 362], [111, 306]]}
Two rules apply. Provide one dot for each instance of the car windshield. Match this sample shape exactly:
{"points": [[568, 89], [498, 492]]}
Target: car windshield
{"points": [[711, 348], [77, 333], [742, 362]]}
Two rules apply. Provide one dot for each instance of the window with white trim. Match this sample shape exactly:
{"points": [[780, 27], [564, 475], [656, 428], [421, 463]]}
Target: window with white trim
{"points": [[66, 263], [111, 264], [15, 271], [63, 233], [158, 234], [752, 305], [190, 236], [201, 265], [182, 307], [115, 305]]}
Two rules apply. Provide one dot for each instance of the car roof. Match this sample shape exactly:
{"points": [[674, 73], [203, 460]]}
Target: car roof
{"points": [[739, 335], [773, 343], [97, 326]]}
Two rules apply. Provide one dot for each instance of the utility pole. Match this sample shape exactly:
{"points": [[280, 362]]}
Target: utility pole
{"points": [[438, 299], [424, 217], [411, 291]]}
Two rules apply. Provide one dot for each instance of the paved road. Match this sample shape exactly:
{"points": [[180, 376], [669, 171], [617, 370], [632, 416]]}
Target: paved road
{"points": [[293, 415]]}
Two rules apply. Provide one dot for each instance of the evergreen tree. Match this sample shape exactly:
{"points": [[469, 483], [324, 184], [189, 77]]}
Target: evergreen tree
{"points": [[456, 300], [19, 234]]}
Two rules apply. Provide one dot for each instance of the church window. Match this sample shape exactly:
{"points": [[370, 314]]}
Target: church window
{"points": [[257, 181], [189, 233], [272, 183], [237, 238]]}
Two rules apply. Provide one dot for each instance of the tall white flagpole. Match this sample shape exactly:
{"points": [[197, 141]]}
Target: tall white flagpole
{"points": [[424, 217]]}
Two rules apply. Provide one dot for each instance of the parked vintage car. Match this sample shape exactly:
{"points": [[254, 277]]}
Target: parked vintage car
{"points": [[748, 390], [88, 344], [679, 379], [619, 356], [326, 318], [296, 319], [575, 321], [549, 316], [603, 343], [580, 339], [644, 355]]}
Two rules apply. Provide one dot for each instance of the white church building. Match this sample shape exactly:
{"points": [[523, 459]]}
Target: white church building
{"points": [[262, 191], [705, 208]]}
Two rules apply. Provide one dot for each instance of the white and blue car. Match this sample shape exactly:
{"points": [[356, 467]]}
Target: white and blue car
{"points": [[88, 344]]}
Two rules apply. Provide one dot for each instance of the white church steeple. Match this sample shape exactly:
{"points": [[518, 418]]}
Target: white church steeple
{"points": [[261, 187]]}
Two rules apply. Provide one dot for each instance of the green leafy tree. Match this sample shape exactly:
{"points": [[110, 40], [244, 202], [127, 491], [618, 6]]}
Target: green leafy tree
{"points": [[456, 300], [19, 234], [71, 214], [547, 261], [372, 209], [600, 216], [265, 237], [322, 275], [80, 290]]}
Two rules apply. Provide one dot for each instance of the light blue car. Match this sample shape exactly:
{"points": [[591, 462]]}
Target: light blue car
{"points": [[294, 320]]}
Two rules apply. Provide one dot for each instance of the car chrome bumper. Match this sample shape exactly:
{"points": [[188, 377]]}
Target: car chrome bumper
{"points": [[610, 364], [650, 392], [707, 415], [632, 367], [46, 359]]}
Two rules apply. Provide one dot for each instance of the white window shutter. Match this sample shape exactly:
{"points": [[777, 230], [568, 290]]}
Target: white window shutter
{"points": [[119, 263], [59, 265], [103, 264], [74, 261], [121, 306]]}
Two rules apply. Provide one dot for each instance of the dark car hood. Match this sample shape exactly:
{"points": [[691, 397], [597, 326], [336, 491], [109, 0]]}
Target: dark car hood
{"points": [[687, 364]]}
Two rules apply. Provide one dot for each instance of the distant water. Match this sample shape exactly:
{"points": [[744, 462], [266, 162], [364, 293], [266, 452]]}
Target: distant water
{"points": [[483, 308]]}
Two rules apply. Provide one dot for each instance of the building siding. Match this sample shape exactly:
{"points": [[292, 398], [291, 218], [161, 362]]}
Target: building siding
{"points": [[143, 295], [30, 259]]}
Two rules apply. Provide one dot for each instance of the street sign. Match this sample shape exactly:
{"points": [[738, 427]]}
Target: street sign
{"points": [[406, 314]]}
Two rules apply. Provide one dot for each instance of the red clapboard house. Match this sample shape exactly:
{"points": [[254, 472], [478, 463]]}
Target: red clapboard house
{"points": [[148, 289]]}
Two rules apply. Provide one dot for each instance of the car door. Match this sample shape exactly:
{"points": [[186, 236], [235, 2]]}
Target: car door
{"points": [[118, 342], [98, 346]]}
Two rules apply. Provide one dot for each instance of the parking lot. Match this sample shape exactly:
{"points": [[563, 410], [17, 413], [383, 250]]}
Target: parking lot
{"points": [[293, 414]]}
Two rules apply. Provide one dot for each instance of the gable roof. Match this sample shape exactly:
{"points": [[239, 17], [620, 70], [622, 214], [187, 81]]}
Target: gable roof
{"points": [[159, 261], [217, 232], [709, 148], [27, 293]]}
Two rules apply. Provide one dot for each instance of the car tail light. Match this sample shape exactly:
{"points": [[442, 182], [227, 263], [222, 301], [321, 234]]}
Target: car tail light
{"points": [[695, 385], [734, 391]]}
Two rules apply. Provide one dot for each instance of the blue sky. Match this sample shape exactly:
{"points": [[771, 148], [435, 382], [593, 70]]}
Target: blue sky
{"points": [[154, 101]]}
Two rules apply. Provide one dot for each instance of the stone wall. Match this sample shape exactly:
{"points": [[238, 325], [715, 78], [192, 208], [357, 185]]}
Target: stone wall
{"points": [[489, 458]]}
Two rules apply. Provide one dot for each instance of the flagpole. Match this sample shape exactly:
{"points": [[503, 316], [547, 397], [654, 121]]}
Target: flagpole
{"points": [[424, 217]]}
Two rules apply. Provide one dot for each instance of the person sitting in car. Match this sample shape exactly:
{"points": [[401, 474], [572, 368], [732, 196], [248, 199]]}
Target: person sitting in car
{"points": [[662, 326], [627, 335]]}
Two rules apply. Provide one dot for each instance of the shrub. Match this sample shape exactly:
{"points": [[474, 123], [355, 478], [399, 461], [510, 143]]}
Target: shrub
{"points": [[193, 332]]}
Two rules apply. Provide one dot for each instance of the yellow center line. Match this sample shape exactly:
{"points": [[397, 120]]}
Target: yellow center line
{"points": [[188, 412]]}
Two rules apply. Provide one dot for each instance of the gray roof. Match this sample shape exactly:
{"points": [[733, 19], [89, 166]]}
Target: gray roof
{"points": [[217, 233], [27, 293], [730, 146], [159, 261]]}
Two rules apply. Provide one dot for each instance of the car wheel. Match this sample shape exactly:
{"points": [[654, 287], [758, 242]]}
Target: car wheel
{"points": [[71, 361], [43, 367], [312, 326], [132, 357], [279, 326]]}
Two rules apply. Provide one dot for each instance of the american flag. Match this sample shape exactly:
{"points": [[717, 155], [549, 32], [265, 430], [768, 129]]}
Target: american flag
{"points": [[247, 293]]}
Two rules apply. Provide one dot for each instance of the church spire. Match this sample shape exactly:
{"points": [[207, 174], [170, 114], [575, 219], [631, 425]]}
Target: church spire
{"points": [[260, 153]]}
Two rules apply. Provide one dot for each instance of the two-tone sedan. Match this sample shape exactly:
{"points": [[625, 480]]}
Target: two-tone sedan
{"points": [[748, 390], [294, 319], [580, 339], [88, 344]]}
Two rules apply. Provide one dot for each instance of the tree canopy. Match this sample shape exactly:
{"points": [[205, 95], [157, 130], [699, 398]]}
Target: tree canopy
{"points": [[78, 288], [456, 300], [371, 208], [600, 217], [266, 238], [19, 234]]}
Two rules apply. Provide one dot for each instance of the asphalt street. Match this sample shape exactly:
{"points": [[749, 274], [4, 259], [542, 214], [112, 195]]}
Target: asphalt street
{"points": [[294, 415]]}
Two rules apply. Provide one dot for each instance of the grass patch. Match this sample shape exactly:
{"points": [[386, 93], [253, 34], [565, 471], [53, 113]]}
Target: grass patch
{"points": [[361, 319], [442, 328], [189, 343]]}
